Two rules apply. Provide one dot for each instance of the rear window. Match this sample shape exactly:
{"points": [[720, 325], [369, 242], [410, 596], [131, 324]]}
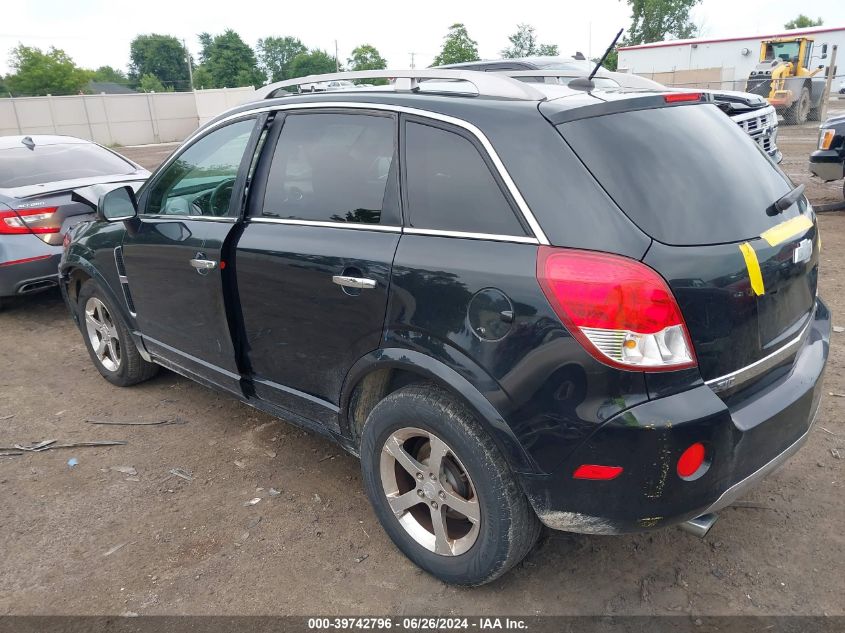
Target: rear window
{"points": [[21, 166], [685, 175]]}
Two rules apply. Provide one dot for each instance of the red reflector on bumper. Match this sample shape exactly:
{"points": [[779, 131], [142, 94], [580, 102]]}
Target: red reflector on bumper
{"points": [[691, 460], [596, 472]]}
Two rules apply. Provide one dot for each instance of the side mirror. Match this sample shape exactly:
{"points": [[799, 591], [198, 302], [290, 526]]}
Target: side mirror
{"points": [[118, 204]]}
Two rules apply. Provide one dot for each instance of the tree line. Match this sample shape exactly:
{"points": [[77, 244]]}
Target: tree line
{"points": [[162, 63]]}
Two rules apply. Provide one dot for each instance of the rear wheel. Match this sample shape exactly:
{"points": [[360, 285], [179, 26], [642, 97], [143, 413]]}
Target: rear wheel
{"points": [[108, 341], [441, 489]]}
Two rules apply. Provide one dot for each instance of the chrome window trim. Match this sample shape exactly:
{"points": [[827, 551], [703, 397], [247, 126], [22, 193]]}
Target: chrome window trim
{"points": [[744, 374], [519, 239], [332, 225], [527, 214], [178, 218]]}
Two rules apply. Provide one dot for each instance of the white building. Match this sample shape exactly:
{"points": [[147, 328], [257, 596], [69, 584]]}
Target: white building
{"points": [[724, 62]]}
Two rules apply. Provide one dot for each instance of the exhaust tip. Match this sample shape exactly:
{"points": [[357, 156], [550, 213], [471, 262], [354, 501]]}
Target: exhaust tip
{"points": [[35, 286], [700, 526]]}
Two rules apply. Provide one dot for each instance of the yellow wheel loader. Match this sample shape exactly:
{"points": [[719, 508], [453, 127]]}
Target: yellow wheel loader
{"points": [[784, 77]]}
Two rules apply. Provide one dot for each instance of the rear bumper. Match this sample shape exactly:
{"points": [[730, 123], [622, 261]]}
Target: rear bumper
{"points": [[747, 436], [27, 265], [827, 164]]}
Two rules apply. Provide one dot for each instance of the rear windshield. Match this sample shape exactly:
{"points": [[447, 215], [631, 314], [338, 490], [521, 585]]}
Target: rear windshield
{"points": [[685, 175], [21, 166]]}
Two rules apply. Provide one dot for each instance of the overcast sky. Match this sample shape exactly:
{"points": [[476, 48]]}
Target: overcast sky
{"points": [[97, 32]]}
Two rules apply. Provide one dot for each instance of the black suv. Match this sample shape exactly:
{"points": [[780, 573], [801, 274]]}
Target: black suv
{"points": [[518, 304]]}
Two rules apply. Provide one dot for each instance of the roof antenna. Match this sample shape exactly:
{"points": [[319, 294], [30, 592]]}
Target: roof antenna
{"points": [[28, 142], [586, 83]]}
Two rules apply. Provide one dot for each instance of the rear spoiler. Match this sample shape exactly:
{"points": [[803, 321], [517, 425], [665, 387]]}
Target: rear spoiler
{"points": [[619, 101]]}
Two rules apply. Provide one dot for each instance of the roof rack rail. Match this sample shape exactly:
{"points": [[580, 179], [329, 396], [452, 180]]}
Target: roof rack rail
{"points": [[486, 84]]}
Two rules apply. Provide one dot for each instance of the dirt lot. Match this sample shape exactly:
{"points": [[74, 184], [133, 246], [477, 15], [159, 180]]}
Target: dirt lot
{"points": [[91, 539]]}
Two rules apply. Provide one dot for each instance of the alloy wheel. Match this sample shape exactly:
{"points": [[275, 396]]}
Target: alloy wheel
{"points": [[102, 333], [430, 491]]}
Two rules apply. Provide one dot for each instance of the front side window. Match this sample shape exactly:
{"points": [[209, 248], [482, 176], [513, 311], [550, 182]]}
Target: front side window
{"points": [[450, 187], [200, 182], [331, 168]]}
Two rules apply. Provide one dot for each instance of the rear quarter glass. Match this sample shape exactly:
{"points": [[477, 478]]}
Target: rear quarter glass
{"points": [[685, 175]]}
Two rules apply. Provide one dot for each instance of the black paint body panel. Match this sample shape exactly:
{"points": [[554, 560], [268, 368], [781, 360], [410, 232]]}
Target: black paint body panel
{"points": [[549, 389], [731, 326], [180, 312], [302, 330]]}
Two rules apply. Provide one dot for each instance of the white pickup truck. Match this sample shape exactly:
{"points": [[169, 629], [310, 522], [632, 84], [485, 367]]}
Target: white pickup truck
{"points": [[327, 86]]}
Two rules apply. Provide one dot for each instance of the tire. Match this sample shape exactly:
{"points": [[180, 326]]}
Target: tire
{"points": [[797, 113], [118, 361], [421, 420], [815, 114]]}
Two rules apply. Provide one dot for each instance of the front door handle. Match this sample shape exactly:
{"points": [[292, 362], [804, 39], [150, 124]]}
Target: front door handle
{"points": [[203, 265], [354, 282]]}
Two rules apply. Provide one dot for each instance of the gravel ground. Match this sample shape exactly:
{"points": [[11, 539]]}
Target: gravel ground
{"points": [[118, 533]]}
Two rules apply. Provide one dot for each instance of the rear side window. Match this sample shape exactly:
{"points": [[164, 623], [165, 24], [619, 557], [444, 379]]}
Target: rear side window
{"points": [[686, 175], [450, 187], [331, 168], [21, 166]]}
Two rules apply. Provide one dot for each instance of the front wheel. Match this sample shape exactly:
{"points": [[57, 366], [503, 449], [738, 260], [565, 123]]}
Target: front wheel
{"points": [[108, 341], [797, 113], [442, 490]]}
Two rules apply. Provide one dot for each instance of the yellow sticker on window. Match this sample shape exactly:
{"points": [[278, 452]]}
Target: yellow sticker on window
{"points": [[753, 267], [783, 231]]}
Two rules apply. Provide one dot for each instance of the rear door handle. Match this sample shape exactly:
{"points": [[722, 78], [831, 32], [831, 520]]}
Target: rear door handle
{"points": [[354, 282], [203, 264]]}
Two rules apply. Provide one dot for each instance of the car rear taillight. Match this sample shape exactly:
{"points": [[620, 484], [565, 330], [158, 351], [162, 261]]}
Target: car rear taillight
{"points": [[22, 221], [681, 97], [620, 310]]}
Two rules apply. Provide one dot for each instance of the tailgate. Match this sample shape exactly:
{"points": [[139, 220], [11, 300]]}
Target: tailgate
{"points": [[735, 315], [744, 269]]}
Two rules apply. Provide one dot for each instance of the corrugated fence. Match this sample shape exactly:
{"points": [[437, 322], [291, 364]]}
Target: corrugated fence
{"points": [[124, 119]]}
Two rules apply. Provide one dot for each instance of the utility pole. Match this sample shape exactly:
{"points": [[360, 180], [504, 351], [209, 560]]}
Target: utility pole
{"points": [[412, 60], [831, 71], [190, 70], [336, 58]]}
